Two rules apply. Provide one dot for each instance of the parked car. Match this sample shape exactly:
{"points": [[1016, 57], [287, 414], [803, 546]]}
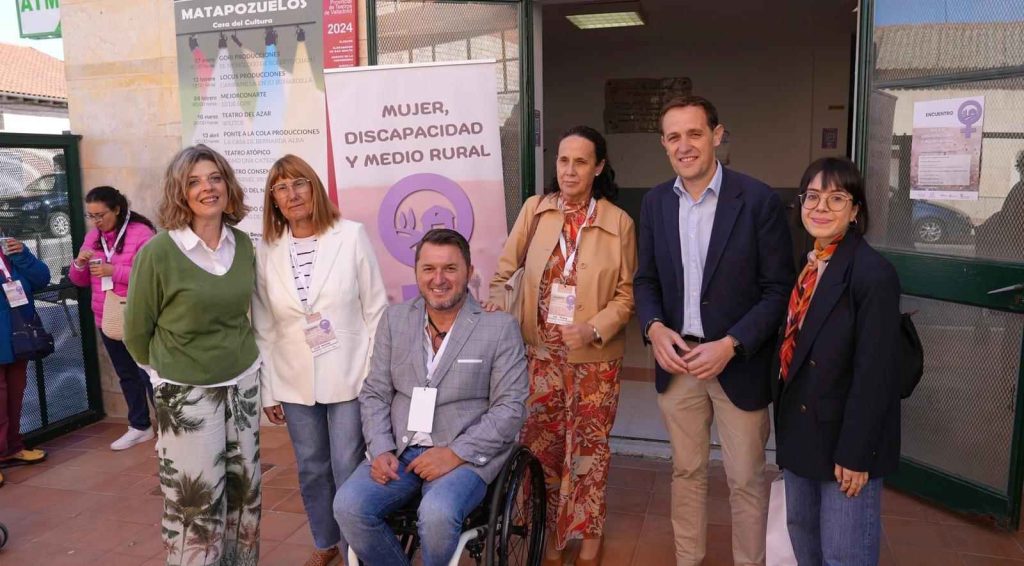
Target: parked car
{"points": [[936, 223], [42, 207]]}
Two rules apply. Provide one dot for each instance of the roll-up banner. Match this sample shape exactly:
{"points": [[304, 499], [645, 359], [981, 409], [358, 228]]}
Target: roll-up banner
{"points": [[417, 147]]}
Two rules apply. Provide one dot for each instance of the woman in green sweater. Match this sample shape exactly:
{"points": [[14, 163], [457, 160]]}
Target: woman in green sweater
{"points": [[187, 323]]}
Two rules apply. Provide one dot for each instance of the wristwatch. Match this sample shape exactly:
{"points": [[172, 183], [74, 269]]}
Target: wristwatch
{"points": [[737, 346], [647, 328], [597, 335]]}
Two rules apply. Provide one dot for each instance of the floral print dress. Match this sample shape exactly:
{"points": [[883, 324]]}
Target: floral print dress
{"points": [[571, 410]]}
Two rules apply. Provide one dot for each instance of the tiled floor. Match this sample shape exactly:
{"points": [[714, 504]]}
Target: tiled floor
{"points": [[88, 505]]}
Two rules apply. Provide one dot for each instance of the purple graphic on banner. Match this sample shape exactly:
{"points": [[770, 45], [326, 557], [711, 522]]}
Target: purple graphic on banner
{"points": [[400, 230], [969, 113]]}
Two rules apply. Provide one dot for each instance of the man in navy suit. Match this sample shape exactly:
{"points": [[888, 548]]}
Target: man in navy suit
{"points": [[715, 273]]}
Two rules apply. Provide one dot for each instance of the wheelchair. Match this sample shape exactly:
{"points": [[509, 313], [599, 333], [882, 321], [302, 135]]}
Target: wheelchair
{"points": [[507, 529]]}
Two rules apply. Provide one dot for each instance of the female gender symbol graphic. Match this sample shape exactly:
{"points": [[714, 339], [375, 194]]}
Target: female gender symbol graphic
{"points": [[969, 113]]}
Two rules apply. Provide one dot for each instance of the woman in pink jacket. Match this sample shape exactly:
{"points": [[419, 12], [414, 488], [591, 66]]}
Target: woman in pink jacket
{"points": [[105, 263]]}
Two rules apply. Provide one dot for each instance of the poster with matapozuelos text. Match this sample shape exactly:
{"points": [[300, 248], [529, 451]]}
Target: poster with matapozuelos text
{"points": [[251, 81]]}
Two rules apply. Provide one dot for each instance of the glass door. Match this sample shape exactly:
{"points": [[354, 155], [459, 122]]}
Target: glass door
{"points": [[947, 206]]}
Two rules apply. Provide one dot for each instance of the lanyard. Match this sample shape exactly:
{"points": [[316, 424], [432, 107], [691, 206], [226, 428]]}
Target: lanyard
{"points": [[571, 259], [109, 252], [302, 280], [3, 268], [433, 359]]}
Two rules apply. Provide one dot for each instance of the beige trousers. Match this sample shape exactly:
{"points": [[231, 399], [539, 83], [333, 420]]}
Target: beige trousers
{"points": [[688, 406]]}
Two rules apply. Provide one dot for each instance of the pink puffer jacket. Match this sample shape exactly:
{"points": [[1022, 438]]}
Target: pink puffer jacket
{"points": [[135, 237]]}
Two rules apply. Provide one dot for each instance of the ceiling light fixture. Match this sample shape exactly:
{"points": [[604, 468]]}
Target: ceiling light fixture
{"points": [[606, 15]]}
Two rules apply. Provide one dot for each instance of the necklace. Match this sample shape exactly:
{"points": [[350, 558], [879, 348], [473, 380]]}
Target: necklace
{"points": [[439, 336]]}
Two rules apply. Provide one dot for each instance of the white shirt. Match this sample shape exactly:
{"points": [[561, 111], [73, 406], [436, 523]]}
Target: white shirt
{"points": [[215, 262], [305, 254], [433, 359]]}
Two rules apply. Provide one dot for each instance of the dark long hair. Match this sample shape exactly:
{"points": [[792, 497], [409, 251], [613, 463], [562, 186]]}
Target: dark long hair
{"points": [[604, 184], [842, 174], [113, 198]]}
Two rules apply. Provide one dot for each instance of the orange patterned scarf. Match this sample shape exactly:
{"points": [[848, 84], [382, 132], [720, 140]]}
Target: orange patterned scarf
{"points": [[800, 300]]}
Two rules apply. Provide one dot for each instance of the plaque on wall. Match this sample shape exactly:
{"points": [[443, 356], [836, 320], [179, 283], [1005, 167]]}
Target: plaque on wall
{"points": [[632, 106]]}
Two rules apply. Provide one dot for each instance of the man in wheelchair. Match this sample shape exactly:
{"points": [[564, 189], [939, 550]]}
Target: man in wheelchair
{"points": [[442, 407]]}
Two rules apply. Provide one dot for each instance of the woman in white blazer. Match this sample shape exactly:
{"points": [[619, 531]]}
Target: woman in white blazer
{"points": [[319, 296]]}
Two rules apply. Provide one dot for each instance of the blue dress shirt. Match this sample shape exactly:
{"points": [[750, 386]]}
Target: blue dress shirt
{"points": [[696, 218]]}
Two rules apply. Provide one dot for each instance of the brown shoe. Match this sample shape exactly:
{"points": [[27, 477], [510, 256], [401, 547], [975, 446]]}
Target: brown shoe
{"points": [[324, 557], [23, 457], [552, 561]]}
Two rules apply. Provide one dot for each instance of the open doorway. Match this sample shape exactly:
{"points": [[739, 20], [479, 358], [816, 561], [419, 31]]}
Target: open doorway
{"points": [[780, 75]]}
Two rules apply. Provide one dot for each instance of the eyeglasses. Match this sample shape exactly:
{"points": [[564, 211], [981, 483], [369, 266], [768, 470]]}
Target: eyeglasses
{"points": [[98, 216], [299, 186], [835, 202]]}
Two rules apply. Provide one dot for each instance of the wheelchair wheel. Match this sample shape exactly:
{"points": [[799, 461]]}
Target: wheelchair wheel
{"points": [[517, 513], [3, 535]]}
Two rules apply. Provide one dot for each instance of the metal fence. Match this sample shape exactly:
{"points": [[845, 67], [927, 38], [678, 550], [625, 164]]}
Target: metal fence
{"points": [[41, 205]]}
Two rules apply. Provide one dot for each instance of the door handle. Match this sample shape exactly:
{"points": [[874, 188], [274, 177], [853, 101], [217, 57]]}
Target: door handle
{"points": [[1017, 287]]}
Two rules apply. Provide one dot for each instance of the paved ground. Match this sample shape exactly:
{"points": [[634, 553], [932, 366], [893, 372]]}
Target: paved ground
{"points": [[88, 505]]}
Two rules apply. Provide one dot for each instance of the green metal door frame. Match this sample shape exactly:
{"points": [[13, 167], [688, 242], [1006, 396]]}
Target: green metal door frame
{"points": [[527, 132], [956, 280], [73, 167]]}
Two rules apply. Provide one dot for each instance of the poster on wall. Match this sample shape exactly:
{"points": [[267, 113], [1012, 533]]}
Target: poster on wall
{"points": [[341, 43], [251, 84], [945, 155], [417, 147]]}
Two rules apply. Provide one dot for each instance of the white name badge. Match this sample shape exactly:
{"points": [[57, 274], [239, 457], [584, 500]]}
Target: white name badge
{"points": [[421, 412], [563, 304], [320, 336], [16, 296], [107, 283]]}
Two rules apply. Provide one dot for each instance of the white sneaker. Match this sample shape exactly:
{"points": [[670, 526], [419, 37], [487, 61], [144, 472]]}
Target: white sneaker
{"points": [[132, 437]]}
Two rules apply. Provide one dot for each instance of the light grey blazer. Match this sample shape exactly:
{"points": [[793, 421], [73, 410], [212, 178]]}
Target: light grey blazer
{"points": [[481, 385]]}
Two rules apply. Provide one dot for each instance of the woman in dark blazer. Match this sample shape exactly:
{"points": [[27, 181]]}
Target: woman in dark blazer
{"points": [[837, 400]]}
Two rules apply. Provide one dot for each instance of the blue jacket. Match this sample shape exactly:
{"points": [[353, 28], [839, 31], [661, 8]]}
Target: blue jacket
{"points": [[34, 275], [841, 403], [747, 278]]}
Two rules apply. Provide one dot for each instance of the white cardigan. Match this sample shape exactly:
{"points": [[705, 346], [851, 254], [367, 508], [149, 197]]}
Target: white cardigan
{"points": [[345, 288]]}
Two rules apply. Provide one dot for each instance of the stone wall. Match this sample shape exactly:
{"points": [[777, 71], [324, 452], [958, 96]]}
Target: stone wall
{"points": [[122, 78]]}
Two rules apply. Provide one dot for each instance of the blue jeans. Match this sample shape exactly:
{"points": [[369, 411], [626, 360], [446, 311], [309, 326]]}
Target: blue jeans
{"points": [[328, 443], [828, 528], [135, 383], [362, 505]]}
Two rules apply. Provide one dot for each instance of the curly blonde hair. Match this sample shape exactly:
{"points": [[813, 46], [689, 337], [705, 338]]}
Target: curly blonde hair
{"points": [[174, 212]]}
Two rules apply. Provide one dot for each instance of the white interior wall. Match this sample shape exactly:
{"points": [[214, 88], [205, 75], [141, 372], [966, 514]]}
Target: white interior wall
{"points": [[773, 70]]}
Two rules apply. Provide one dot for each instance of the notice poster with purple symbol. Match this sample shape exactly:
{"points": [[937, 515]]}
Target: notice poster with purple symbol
{"points": [[945, 156], [417, 147], [251, 87]]}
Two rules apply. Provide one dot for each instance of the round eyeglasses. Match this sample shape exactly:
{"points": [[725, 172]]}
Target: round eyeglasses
{"points": [[299, 186], [835, 202]]}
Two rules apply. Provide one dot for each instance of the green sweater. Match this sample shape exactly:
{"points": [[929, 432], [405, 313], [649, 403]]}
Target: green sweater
{"points": [[191, 326]]}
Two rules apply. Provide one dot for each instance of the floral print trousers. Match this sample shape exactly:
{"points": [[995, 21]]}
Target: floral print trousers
{"points": [[208, 449], [571, 410]]}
